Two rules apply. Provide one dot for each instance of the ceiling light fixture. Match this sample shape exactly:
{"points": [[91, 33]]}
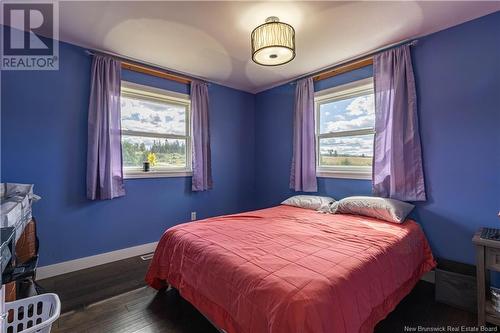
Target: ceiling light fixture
{"points": [[273, 43]]}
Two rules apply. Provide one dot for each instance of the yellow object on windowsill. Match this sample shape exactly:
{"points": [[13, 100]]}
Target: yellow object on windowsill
{"points": [[152, 159]]}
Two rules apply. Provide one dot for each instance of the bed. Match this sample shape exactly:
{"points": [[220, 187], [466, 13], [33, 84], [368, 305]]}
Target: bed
{"points": [[287, 269]]}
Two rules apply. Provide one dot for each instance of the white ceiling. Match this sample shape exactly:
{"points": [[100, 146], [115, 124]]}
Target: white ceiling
{"points": [[211, 40]]}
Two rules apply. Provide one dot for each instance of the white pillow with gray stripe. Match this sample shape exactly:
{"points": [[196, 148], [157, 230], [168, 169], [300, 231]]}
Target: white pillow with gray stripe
{"points": [[390, 210], [314, 202]]}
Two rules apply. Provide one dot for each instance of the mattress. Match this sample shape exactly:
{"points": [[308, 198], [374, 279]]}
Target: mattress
{"points": [[286, 269]]}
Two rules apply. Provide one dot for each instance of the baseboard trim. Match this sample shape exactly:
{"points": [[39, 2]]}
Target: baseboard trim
{"points": [[45, 272]]}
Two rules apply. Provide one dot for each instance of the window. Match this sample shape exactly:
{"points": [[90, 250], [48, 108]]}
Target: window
{"points": [[155, 127], [345, 121]]}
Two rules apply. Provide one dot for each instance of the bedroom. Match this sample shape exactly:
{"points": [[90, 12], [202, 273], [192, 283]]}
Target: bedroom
{"points": [[193, 88]]}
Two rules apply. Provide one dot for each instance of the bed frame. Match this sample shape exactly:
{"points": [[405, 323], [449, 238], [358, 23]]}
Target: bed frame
{"points": [[169, 287]]}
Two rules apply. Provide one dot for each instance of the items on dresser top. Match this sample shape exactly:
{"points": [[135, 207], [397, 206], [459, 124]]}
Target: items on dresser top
{"points": [[16, 201], [491, 234]]}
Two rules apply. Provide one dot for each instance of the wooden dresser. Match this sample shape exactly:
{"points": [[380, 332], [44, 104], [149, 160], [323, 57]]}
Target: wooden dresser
{"points": [[487, 259]]}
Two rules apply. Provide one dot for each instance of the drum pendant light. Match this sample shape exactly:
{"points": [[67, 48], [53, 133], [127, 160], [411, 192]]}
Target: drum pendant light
{"points": [[273, 43]]}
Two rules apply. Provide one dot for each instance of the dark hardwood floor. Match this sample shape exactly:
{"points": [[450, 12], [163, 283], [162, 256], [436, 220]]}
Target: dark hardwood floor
{"points": [[140, 311], [87, 286], [146, 311]]}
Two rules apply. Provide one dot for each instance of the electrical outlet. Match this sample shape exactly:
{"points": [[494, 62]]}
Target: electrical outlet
{"points": [[193, 216]]}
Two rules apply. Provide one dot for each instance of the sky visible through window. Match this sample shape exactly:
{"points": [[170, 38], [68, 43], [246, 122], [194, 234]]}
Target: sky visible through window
{"points": [[153, 117], [149, 116], [347, 115]]}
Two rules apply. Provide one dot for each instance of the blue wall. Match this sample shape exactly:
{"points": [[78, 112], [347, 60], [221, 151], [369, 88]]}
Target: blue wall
{"points": [[274, 133], [44, 141], [44, 136], [458, 86]]}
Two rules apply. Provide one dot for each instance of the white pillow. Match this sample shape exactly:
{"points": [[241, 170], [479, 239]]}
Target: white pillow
{"points": [[314, 202], [390, 210]]}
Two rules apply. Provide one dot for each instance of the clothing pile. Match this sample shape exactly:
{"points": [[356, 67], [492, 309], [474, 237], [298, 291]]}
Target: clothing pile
{"points": [[16, 201]]}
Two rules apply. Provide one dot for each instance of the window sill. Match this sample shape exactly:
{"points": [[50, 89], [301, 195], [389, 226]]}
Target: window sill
{"points": [[344, 174], [156, 174]]}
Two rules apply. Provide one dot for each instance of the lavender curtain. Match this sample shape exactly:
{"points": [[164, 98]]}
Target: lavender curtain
{"points": [[202, 165], [303, 173], [397, 161], [104, 151]]}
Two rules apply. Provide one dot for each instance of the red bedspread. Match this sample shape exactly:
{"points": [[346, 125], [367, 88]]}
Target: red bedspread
{"points": [[287, 269]]}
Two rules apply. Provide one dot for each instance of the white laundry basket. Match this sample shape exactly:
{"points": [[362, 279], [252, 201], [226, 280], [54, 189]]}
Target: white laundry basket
{"points": [[33, 314]]}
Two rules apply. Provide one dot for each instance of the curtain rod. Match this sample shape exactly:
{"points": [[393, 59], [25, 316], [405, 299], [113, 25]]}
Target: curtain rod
{"points": [[359, 59], [147, 68]]}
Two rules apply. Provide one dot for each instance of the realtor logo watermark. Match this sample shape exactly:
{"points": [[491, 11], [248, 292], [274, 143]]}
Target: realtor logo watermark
{"points": [[30, 34]]}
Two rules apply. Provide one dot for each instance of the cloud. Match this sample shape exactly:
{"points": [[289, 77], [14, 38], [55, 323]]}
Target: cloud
{"points": [[366, 121], [363, 105], [348, 114], [146, 116], [351, 145]]}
